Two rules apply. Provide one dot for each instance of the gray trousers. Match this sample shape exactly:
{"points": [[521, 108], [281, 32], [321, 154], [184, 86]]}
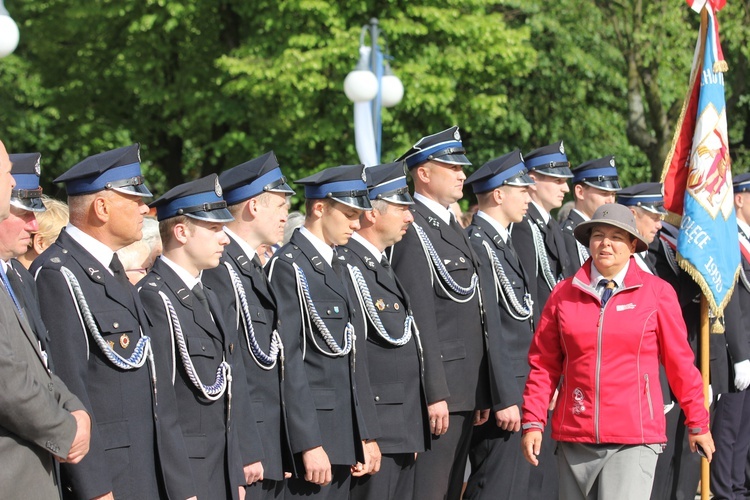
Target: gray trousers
{"points": [[606, 471]]}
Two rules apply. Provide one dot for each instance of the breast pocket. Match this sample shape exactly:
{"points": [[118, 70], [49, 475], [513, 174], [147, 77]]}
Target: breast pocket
{"points": [[117, 329], [198, 346], [258, 314], [331, 309], [457, 264]]}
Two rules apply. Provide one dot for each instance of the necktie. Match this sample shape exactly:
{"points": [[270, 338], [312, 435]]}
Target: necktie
{"points": [[116, 266], [336, 264], [609, 287], [455, 225], [16, 285], [9, 289], [387, 266], [258, 265], [201, 296]]}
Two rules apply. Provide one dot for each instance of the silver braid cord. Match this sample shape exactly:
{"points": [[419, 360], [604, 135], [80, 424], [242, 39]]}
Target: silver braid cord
{"points": [[365, 298], [335, 349], [518, 311], [223, 372], [541, 253], [142, 348], [672, 258], [583, 252], [438, 269], [276, 350]]}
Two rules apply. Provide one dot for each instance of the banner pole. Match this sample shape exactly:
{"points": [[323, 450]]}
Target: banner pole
{"points": [[705, 365]]}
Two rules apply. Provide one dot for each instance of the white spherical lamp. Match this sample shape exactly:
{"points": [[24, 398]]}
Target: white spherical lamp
{"points": [[392, 90], [8, 35], [361, 85]]}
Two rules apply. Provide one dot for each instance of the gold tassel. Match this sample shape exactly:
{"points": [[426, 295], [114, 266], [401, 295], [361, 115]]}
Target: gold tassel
{"points": [[717, 325], [721, 67]]}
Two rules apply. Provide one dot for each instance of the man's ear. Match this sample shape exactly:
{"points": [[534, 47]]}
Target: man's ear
{"points": [[101, 208], [181, 232]]}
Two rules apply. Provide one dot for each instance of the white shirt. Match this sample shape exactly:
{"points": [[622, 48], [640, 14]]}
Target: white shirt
{"points": [[96, 248], [444, 213], [189, 280], [324, 250], [369, 246], [247, 249], [596, 277], [745, 228], [545, 215], [503, 232]]}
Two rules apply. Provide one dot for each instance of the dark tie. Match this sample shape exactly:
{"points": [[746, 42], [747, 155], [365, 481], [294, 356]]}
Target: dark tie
{"points": [[201, 296], [337, 266], [387, 266], [116, 266], [17, 286], [609, 287], [258, 265], [455, 225], [9, 289]]}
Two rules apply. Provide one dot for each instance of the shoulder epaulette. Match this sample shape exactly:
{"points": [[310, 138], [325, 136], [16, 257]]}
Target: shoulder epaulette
{"points": [[55, 260]]}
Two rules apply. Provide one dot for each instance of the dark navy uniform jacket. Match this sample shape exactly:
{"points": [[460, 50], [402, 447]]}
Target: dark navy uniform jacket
{"points": [[208, 427], [29, 298], [509, 351], [268, 400], [330, 410], [571, 244], [452, 333], [554, 245], [395, 372], [135, 424]]}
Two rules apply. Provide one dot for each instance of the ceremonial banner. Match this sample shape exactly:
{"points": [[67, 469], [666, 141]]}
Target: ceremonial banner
{"points": [[697, 177]]}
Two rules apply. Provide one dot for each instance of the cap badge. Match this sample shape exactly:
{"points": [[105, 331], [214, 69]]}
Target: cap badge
{"points": [[562, 148], [37, 168], [612, 162], [456, 135], [217, 188], [521, 155], [380, 304], [364, 174]]}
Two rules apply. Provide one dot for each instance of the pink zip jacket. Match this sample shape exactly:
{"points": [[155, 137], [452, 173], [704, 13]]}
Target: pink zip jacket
{"points": [[608, 359]]}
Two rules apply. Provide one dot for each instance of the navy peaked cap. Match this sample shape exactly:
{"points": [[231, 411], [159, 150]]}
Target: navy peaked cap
{"points": [[549, 160], [506, 170], [249, 179], [199, 199], [25, 169], [345, 184], [647, 195], [445, 147], [388, 182], [118, 169], [600, 173]]}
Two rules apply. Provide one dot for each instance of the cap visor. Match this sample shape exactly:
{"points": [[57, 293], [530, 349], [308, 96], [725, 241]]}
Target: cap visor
{"points": [[139, 190], [218, 215], [358, 202], [29, 204], [282, 188], [655, 209], [612, 185], [520, 180], [453, 159], [560, 172], [398, 198]]}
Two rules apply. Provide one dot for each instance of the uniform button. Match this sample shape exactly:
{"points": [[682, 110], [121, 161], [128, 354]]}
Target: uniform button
{"points": [[115, 325], [231, 348], [203, 347], [377, 398], [50, 386]]}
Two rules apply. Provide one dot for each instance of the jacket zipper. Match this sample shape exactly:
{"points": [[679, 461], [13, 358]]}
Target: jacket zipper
{"points": [[598, 370], [648, 397]]}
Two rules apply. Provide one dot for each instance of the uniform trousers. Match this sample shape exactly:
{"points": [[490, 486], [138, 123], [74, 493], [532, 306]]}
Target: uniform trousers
{"points": [[338, 489], [394, 481], [731, 433], [606, 471], [439, 472], [265, 490]]}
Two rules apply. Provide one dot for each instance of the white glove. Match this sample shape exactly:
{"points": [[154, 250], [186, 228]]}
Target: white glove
{"points": [[742, 375]]}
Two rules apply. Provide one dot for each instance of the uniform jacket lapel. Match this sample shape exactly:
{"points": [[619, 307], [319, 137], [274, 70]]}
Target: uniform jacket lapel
{"points": [[319, 264], [240, 261], [370, 265]]}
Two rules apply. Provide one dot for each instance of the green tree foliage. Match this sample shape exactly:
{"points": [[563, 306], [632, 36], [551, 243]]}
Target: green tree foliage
{"points": [[207, 84]]}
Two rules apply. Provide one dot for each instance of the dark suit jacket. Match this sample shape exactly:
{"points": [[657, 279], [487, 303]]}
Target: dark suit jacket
{"points": [[737, 325], [395, 372], [35, 420], [328, 412], [268, 400], [554, 244], [126, 440], [508, 352], [29, 299], [207, 426], [452, 333], [571, 244]]}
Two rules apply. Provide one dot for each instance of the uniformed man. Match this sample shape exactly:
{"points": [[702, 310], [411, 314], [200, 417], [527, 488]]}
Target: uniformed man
{"points": [[393, 347], [502, 187], [186, 319], [101, 338], [15, 236], [595, 183], [256, 193], [731, 424], [327, 427], [646, 201], [538, 238], [41, 421], [438, 270]]}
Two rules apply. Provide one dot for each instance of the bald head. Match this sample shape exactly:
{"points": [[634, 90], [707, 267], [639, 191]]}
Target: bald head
{"points": [[7, 183]]}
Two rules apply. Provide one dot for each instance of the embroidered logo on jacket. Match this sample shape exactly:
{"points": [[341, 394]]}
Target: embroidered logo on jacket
{"points": [[579, 405]]}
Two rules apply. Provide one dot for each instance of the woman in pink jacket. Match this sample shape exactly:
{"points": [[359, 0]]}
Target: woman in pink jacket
{"points": [[603, 333]]}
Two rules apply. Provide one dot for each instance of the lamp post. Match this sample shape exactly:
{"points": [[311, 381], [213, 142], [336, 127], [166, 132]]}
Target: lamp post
{"points": [[371, 85], [8, 32]]}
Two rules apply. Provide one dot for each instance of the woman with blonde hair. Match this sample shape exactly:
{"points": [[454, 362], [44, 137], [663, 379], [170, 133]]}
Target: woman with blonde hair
{"points": [[51, 222]]}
